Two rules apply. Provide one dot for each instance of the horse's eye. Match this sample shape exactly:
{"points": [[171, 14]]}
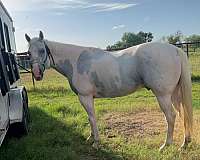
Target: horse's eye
{"points": [[41, 51]]}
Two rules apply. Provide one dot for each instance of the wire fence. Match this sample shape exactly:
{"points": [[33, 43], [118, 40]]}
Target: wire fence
{"points": [[192, 49], [24, 65], [23, 60]]}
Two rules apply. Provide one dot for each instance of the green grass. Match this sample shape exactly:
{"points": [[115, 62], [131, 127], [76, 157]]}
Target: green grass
{"points": [[59, 127], [194, 58]]}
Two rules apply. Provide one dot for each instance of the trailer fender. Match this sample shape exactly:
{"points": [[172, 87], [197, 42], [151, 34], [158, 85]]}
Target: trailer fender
{"points": [[16, 104]]}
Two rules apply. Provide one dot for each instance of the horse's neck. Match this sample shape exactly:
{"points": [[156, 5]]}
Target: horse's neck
{"points": [[65, 57], [62, 52]]}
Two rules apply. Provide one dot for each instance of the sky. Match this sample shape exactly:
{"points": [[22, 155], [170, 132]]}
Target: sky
{"points": [[99, 23]]}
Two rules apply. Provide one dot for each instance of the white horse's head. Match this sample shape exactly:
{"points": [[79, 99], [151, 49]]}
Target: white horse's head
{"points": [[38, 51]]}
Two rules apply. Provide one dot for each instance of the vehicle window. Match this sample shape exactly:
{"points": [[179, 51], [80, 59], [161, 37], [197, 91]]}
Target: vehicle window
{"points": [[7, 38], [14, 64], [2, 41], [9, 66], [4, 82]]}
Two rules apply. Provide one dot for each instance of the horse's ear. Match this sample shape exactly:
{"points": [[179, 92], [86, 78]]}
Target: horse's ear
{"points": [[41, 36], [27, 38]]}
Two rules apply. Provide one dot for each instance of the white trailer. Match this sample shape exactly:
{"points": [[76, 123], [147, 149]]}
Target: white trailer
{"points": [[14, 113]]}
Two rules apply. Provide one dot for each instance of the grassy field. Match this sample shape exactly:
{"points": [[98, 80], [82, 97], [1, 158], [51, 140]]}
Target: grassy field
{"points": [[131, 127], [195, 61]]}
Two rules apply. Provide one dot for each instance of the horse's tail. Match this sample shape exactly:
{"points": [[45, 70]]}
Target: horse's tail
{"points": [[186, 91]]}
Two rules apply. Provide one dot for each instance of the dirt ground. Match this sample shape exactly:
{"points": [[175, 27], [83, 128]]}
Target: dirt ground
{"points": [[145, 124]]}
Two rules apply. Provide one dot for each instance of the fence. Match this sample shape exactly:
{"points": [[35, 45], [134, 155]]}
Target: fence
{"points": [[193, 51], [23, 61]]}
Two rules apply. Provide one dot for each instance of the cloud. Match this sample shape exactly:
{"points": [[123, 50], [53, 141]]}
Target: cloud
{"points": [[105, 7], [59, 13], [24, 5], [118, 27], [29, 30], [16, 5]]}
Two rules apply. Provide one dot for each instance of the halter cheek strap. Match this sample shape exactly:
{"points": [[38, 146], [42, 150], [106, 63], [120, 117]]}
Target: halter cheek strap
{"points": [[49, 54]]}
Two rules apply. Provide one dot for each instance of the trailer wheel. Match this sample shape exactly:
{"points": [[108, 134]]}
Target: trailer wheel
{"points": [[24, 125], [21, 128], [25, 105]]}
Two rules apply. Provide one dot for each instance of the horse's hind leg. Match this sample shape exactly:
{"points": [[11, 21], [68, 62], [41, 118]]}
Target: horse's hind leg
{"points": [[176, 99], [165, 103], [177, 102], [88, 104]]}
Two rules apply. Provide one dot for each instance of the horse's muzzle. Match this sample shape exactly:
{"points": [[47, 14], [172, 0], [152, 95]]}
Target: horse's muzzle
{"points": [[37, 72]]}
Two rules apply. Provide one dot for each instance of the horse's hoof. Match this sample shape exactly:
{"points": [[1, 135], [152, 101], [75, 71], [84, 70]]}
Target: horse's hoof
{"points": [[95, 145], [183, 147], [164, 146], [185, 144], [90, 139], [161, 148]]}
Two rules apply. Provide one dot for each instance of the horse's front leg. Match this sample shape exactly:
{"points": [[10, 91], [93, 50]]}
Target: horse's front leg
{"points": [[88, 104]]}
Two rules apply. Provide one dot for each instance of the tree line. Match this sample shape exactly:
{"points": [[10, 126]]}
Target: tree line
{"points": [[131, 39]]}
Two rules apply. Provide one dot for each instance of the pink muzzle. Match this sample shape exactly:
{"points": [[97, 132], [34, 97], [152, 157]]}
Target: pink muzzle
{"points": [[37, 72]]}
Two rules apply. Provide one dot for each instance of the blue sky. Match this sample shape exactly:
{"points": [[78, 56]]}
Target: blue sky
{"points": [[100, 23]]}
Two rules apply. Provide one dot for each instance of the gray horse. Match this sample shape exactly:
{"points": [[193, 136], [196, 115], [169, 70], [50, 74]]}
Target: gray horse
{"points": [[95, 73]]}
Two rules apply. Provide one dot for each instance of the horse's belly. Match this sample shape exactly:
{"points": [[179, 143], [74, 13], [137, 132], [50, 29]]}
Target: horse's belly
{"points": [[111, 92], [115, 92], [113, 85]]}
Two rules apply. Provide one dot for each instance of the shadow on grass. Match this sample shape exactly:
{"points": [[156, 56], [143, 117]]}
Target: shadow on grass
{"points": [[50, 89], [51, 139], [195, 78]]}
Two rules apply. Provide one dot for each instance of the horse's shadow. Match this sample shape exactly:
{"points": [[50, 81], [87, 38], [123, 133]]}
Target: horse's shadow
{"points": [[50, 138], [195, 78], [56, 90]]}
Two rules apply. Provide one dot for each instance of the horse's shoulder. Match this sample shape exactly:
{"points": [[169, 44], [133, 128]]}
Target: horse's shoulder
{"points": [[88, 57]]}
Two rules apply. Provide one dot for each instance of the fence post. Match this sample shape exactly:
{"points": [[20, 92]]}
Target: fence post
{"points": [[187, 50]]}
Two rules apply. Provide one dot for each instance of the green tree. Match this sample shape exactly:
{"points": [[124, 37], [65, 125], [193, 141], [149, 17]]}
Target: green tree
{"points": [[146, 37], [193, 38], [108, 48], [120, 44], [175, 38], [131, 39]]}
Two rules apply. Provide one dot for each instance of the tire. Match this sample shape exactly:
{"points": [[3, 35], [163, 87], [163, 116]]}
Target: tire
{"points": [[24, 125], [25, 105], [22, 128]]}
